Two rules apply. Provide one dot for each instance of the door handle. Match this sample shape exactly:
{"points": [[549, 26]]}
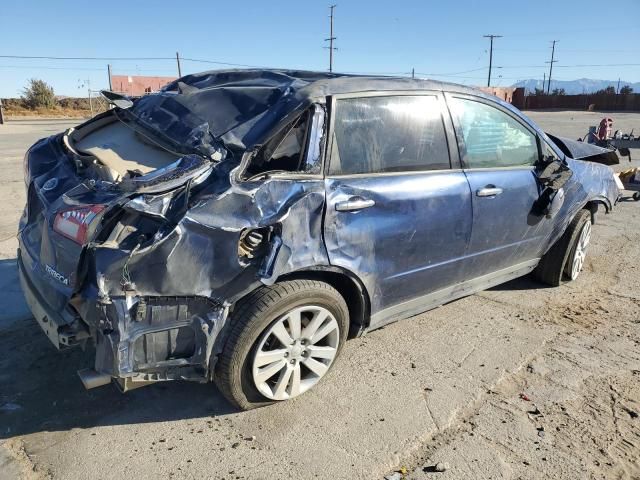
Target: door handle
{"points": [[489, 191], [353, 204]]}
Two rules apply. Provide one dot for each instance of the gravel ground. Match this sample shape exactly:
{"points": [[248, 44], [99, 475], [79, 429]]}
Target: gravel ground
{"points": [[520, 381]]}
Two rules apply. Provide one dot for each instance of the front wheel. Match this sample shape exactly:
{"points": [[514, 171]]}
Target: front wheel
{"points": [[284, 339], [565, 259], [575, 262]]}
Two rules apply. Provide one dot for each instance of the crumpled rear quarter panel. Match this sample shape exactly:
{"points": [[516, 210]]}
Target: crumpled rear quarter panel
{"points": [[198, 259]]}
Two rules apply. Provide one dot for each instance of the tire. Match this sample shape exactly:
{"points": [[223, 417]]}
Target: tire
{"points": [[554, 266], [255, 337], [636, 196]]}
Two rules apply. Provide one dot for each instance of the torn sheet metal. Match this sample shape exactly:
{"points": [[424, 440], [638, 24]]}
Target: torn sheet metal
{"points": [[586, 151]]}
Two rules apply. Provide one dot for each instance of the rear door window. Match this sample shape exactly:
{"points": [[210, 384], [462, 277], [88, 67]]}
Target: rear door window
{"points": [[490, 138], [388, 134]]}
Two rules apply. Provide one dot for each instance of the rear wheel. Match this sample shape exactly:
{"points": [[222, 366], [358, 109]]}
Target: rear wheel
{"points": [[284, 339], [565, 259]]}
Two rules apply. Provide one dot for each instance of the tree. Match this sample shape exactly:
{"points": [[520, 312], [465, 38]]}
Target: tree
{"points": [[626, 90], [538, 91], [38, 94], [558, 91], [607, 91]]}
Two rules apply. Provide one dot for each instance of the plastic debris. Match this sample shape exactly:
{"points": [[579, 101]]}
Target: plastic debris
{"points": [[394, 476], [524, 397], [535, 411]]}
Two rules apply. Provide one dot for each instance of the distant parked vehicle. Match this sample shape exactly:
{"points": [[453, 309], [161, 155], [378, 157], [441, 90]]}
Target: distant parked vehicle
{"points": [[239, 226]]}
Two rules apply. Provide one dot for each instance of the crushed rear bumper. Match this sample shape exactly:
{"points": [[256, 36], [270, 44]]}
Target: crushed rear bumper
{"points": [[63, 328], [138, 340]]}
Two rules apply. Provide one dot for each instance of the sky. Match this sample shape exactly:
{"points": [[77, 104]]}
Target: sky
{"points": [[442, 40]]}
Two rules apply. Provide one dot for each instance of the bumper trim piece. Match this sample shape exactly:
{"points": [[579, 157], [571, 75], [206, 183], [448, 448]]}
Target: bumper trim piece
{"points": [[92, 379]]}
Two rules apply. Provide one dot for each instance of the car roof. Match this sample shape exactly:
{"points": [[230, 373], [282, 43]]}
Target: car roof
{"points": [[309, 84], [243, 106]]}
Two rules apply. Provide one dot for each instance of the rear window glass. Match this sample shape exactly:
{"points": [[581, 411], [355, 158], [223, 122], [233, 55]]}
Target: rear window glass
{"points": [[389, 134], [284, 152]]}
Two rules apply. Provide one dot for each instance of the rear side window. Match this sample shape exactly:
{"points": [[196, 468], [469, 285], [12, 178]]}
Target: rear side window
{"points": [[284, 152], [490, 138], [388, 134]]}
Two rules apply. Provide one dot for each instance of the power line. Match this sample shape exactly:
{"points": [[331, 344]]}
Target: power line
{"points": [[199, 60], [45, 67], [579, 65], [600, 65], [214, 62], [591, 29], [456, 73], [219, 62], [491, 37], [40, 57]]}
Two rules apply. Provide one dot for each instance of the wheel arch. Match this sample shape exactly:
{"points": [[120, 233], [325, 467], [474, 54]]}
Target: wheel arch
{"points": [[594, 204], [348, 285]]}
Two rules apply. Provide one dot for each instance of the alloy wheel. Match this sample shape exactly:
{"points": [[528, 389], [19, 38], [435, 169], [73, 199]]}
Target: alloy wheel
{"points": [[580, 250], [295, 352]]}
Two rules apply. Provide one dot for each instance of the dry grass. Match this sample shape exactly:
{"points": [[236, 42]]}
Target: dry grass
{"points": [[66, 108], [56, 112]]}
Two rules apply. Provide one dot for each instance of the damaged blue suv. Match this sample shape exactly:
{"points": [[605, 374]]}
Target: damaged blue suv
{"points": [[238, 226]]}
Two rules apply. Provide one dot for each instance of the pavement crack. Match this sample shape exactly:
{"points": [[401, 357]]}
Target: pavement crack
{"points": [[433, 418], [464, 359], [613, 394]]}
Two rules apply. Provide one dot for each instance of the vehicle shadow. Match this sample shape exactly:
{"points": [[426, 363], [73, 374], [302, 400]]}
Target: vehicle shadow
{"points": [[12, 304], [40, 390], [522, 283]]}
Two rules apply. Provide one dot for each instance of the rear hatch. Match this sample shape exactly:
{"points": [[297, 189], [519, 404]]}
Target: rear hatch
{"points": [[69, 207]]}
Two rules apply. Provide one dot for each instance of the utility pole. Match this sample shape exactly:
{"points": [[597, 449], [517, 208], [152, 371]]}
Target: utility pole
{"points": [[1, 113], [618, 89], [544, 80], [553, 51], [178, 61], [413, 73], [491, 37], [90, 101], [331, 38], [87, 83], [109, 73]]}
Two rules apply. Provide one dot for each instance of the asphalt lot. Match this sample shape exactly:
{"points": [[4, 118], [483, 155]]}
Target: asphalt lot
{"points": [[520, 381]]}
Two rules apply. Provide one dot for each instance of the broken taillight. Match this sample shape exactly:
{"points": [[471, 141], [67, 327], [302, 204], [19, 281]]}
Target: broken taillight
{"points": [[74, 223]]}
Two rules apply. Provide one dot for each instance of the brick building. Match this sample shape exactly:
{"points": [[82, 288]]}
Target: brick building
{"points": [[136, 86], [513, 95]]}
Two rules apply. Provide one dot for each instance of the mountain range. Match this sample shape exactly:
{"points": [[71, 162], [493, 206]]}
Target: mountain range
{"points": [[576, 87]]}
